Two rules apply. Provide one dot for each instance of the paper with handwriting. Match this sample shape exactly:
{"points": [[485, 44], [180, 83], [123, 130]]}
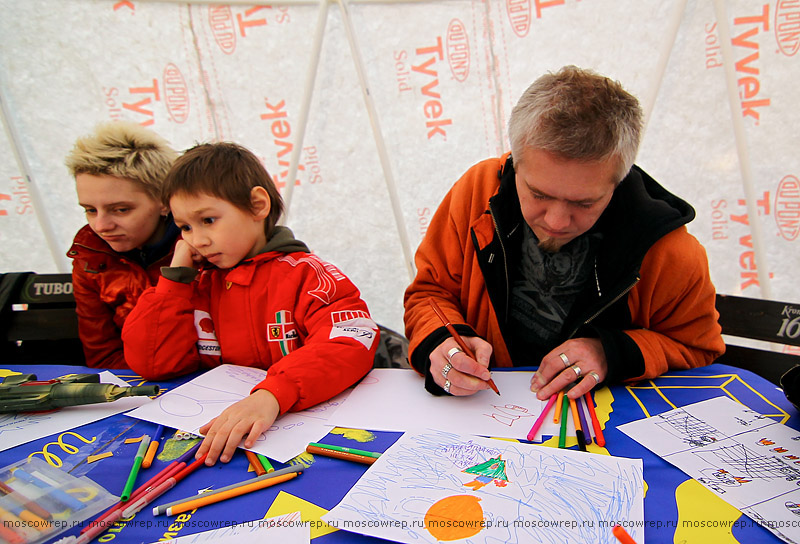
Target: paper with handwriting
{"points": [[391, 399], [434, 486], [195, 403], [749, 460]]}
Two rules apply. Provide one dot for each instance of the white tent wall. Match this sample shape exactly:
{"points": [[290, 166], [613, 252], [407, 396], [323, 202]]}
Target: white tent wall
{"points": [[402, 98]]}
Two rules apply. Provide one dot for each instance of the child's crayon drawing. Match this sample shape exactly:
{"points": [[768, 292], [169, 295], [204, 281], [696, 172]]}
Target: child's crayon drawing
{"points": [[750, 461], [435, 486]]}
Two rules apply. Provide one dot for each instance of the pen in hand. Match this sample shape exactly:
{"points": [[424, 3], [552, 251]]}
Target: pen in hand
{"points": [[458, 339]]}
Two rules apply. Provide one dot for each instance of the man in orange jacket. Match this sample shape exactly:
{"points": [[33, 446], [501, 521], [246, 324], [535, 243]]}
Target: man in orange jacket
{"points": [[562, 254]]}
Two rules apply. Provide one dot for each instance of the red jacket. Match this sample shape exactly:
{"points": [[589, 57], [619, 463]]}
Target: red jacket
{"points": [[290, 313], [106, 286]]}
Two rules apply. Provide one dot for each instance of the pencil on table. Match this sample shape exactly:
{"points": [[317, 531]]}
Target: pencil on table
{"points": [[211, 498], [457, 337], [162, 508], [346, 450], [365, 459]]}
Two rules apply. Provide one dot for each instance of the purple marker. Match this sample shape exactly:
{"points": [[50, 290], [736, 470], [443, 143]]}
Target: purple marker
{"points": [[582, 414]]}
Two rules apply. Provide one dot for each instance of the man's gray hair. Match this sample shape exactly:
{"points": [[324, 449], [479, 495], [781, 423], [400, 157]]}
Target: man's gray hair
{"points": [[577, 114]]}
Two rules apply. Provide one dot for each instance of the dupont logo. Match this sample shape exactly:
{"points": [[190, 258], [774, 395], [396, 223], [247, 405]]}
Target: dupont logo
{"points": [[787, 207], [176, 94], [221, 20], [787, 26], [458, 50], [519, 15]]}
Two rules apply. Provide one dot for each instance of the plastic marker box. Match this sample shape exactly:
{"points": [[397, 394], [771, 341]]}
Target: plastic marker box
{"points": [[38, 501]]}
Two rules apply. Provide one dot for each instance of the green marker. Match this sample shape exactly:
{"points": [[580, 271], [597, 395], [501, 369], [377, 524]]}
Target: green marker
{"points": [[265, 463], [346, 450], [562, 437], [137, 463]]}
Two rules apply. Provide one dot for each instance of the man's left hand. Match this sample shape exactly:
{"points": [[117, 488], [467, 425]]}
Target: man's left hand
{"points": [[580, 361]]}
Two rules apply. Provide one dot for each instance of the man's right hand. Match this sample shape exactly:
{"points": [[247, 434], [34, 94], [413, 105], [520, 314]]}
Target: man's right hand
{"points": [[465, 376]]}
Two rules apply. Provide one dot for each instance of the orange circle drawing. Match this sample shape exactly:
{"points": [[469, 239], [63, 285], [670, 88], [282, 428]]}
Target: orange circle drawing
{"points": [[454, 518]]}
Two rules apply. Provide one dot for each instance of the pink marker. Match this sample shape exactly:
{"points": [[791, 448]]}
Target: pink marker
{"points": [[540, 419]]}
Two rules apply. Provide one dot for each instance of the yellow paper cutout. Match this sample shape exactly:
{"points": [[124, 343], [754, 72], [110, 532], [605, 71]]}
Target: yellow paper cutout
{"points": [[697, 506], [93, 458], [359, 435], [4, 372], [286, 503]]}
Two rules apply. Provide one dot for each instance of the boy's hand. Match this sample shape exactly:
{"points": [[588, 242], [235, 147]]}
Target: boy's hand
{"points": [[185, 255], [250, 416]]}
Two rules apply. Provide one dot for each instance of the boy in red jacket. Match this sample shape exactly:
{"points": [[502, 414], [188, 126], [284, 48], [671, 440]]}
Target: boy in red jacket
{"points": [[244, 291]]}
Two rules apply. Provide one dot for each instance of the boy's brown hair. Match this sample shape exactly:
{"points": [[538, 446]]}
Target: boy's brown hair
{"points": [[227, 171]]}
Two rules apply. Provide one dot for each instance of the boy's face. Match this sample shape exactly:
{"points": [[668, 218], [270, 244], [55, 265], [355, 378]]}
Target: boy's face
{"points": [[119, 211], [222, 233]]}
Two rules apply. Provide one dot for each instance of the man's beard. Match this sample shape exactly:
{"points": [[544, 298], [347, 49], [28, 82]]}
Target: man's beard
{"points": [[549, 244]]}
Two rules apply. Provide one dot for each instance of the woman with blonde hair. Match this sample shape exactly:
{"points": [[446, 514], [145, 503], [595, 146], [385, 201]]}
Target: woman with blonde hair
{"points": [[118, 171]]}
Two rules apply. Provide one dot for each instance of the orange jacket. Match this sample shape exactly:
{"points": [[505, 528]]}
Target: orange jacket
{"points": [[106, 286], [654, 308]]}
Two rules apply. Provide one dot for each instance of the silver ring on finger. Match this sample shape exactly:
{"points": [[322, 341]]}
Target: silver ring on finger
{"points": [[447, 386], [453, 351], [564, 359], [577, 370], [446, 370], [596, 377]]}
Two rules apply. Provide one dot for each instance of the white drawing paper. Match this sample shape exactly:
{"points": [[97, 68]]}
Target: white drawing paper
{"points": [[193, 404], [16, 429], [391, 399], [286, 529], [435, 486], [749, 460]]}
